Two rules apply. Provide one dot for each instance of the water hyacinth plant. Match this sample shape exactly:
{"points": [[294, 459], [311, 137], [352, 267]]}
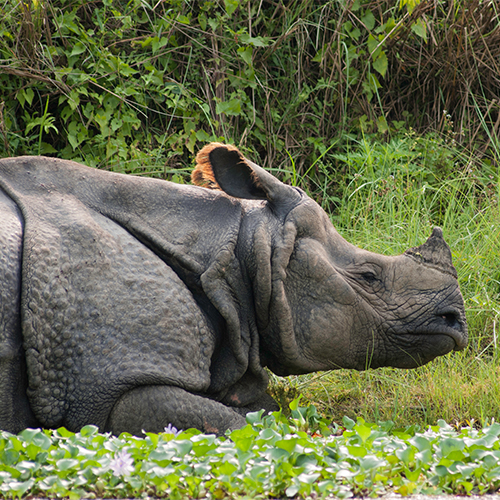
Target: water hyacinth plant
{"points": [[122, 464], [301, 456]]}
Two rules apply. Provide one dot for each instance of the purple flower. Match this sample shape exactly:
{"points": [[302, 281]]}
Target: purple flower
{"points": [[121, 465], [170, 429]]}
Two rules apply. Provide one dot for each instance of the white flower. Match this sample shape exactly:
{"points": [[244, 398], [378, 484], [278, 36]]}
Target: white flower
{"points": [[121, 465], [170, 429]]}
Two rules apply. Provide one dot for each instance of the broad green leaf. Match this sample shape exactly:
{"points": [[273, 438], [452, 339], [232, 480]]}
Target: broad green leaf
{"points": [[382, 125], [307, 461], [450, 445], [348, 422], [21, 487], [345, 473], [201, 450], [287, 444], [125, 69], [246, 54], [370, 462], [442, 470], [163, 457], [466, 485], [389, 25], [253, 417], [256, 41], [421, 443], [232, 107], [9, 457], [214, 23], [368, 20], [231, 5], [373, 46], [182, 447], [363, 431], [319, 55], [294, 405], [410, 4], [67, 463], [420, 29], [227, 468], [357, 451], [183, 19], [492, 430], [412, 475], [277, 454], [28, 94], [406, 489], [78, 48], [380, 64], [424, 457], [269, 435], [202, 19], [406, 455], [308, 478], [46, 148], [202, 136]]}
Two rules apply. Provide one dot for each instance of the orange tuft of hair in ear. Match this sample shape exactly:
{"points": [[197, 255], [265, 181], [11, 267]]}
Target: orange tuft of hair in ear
{"points": [[203, 175]]}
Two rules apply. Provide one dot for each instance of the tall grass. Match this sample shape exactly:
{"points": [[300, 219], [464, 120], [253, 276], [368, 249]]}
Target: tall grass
{"points": [[390, 196]]}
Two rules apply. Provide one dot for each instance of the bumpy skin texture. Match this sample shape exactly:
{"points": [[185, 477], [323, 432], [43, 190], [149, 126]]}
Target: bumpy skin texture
{"points": [[138, 303], [15, 412]]}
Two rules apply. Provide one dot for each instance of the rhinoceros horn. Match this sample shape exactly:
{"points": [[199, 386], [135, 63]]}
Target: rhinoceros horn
{"points": [[434, 253]]}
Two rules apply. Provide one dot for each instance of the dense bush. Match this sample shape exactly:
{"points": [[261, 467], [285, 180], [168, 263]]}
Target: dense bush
{"points": [[130, 85]]}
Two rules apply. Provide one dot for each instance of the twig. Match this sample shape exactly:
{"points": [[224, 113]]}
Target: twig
{"points": [[3, 129]]}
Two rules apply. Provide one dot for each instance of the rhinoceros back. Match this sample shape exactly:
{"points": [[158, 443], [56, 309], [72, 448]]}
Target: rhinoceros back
{"points": [[101, 312]]}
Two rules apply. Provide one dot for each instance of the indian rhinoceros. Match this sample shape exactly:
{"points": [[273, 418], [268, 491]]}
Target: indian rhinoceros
{"points": [[133, 303]]}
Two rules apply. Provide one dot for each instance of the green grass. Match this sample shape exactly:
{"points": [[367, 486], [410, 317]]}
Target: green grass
{"points": [[388, 198]]}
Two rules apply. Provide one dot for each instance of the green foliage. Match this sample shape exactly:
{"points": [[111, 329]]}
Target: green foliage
{"points": [[139, 87], [272, 456]]}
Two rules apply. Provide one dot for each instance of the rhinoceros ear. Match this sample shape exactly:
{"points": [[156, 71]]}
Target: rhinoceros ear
{"points": [[222, 166]]}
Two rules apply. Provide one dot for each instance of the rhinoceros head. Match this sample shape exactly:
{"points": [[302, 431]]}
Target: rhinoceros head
{"points": [[322, 303]]}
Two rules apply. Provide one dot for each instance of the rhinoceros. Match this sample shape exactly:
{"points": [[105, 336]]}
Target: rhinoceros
{"points": [[132, 303]]}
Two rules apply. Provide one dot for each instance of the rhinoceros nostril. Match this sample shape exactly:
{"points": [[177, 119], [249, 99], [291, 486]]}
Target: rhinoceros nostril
{"points": [[451, 319]]}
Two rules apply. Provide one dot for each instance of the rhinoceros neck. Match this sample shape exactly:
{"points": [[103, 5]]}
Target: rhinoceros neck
{"points": [[265, 245]]}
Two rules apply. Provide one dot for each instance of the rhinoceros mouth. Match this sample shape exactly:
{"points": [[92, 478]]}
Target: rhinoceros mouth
{"points": [[411, 348]]}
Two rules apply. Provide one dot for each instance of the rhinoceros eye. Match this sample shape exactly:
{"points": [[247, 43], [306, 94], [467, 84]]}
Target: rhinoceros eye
{"points": [[369, 277]]}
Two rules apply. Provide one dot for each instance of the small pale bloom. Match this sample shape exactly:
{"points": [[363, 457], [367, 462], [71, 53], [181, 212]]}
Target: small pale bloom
{"points": [[122, 464], [170, 429]]}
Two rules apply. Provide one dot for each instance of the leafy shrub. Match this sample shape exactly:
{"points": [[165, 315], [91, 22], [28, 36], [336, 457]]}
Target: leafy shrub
{"points": [[138, 86]]}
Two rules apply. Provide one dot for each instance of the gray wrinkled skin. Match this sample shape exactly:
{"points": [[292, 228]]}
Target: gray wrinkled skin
{"points": [[131, 303]]}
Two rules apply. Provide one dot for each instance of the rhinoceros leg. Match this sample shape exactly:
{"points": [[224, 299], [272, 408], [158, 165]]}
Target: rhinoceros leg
{"points": [[152, 408], [15, 412]]}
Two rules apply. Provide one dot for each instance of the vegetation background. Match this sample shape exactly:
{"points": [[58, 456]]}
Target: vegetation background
{"points": [[385, 111]]}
